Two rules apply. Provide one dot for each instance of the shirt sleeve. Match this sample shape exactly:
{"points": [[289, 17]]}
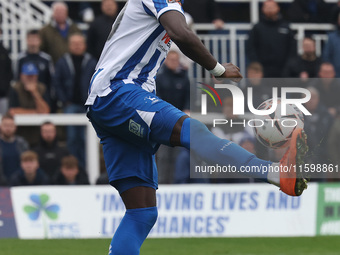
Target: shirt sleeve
{"points": [[159, 7]]}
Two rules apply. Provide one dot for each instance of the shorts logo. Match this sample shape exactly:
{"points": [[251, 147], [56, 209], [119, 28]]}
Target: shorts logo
{"points": [[152, 99], [136, 128]]}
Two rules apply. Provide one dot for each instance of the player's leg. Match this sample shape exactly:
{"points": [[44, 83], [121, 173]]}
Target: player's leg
{"points": [[133, 173], [192, 134], [139, 218]]}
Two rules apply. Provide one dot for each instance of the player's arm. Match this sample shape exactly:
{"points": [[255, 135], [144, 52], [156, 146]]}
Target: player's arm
{"points": [[175, 25]]}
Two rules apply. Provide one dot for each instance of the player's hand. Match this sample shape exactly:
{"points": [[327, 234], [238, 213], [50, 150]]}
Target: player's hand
{"points": [[232, 72]]}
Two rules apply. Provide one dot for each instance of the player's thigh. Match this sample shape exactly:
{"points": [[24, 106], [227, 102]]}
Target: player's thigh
{"points": [[126, 160], [136, 116]]}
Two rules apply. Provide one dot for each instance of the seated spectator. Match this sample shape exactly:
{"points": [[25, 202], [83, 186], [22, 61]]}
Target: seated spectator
{"points": [[305, 66], [173, 86], [40, 59], [49, 151], [309, 11], [11, 147], [271, 41], [28, 95], [331, 51], [54, 35], [72, 78], [31, 173], [100, 28], [70, 173], [328, 87], [261, 90], [6, 76]]}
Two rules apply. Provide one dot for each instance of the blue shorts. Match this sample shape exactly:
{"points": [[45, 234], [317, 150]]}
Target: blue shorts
{"points": [[131, 124]]}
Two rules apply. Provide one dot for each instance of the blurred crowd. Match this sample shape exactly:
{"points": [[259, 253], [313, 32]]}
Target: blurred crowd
{"points": [[54, 72]]}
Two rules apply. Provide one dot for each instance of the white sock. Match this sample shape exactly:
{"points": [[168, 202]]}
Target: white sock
{"points": [[274, 174]]}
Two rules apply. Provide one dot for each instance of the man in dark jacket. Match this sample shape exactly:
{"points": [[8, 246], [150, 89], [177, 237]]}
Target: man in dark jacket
{"points": [[173, 83], [69, 173], [305, 66], [271, 41], [72, 78], [49, 151], [100, 28], [31, 173], [54, 35], [5, 78], [11, 147], [40, 59]]}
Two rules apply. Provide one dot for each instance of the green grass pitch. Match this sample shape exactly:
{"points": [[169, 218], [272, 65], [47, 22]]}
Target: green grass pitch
{"points": [[180, 246]]}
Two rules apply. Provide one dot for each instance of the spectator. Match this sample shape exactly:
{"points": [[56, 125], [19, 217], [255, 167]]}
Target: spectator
{"points": [[328, 87], [173, 86], [31, 173], [305, 66], [11, 146], [261, 90], [69, 173], [5, 78], [173, 83], [54, 35], [49, 151], [331, 51], [204, 11], [271, 41], [308, 11], [100, 28], [40, 59], [317, 128], [28, 95], [73, 73]]}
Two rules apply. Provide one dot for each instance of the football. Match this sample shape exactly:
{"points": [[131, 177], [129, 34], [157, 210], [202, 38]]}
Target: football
{"points": [[274, 130]]}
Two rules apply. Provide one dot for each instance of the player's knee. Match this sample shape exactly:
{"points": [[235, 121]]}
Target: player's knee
{"points": [[151, 216], [198, 127], [192, 128]]}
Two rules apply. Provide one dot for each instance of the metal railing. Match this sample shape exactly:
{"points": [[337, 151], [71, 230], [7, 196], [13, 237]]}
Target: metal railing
{"points": [[19, 16], [228, 45]]}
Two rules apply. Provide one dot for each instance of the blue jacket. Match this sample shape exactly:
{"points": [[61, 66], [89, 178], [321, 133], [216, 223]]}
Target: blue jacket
{"points": [[63, 80], [331, 52]]}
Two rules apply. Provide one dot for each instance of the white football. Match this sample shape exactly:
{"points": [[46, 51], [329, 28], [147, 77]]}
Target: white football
{"points": [[274, 130]]}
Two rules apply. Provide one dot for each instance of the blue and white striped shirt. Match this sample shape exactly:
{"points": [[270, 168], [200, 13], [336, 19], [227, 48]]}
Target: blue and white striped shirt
{"points": [[135, 49]]}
